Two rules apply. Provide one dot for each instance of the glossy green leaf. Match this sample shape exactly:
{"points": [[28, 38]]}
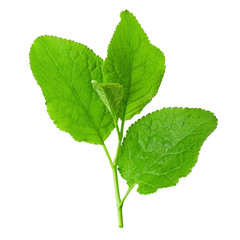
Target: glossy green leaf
{"points": [[64, 70], [163, 146], [111, 95], [135, 63]]}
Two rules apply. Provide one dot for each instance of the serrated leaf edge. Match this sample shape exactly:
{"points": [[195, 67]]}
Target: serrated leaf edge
{"points": [[189, 170], [109, 49], [55, 122]]}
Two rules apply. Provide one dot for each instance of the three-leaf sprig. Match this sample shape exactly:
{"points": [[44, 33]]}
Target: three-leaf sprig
{"points": [[88, 97]]}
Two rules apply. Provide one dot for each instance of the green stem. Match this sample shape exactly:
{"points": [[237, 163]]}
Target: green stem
{"points": [[117, 152], [115, 178], [117, 195], [120, 137], [122, 128], [119, 202], [118, 132], [116, 188]]}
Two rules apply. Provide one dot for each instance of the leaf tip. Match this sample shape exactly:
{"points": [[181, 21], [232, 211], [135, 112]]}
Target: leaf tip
{"points": [[124, 12]]}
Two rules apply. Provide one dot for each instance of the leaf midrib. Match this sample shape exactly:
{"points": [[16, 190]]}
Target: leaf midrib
{"points": [[131, 66]]}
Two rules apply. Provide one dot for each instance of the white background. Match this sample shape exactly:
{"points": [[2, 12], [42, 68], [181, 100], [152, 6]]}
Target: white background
{"points": [[52, 187]]}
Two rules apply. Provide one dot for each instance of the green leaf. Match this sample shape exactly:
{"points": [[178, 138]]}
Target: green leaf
{"points": [[135, 63], [64, 70], [111, 95], [163, 146]]}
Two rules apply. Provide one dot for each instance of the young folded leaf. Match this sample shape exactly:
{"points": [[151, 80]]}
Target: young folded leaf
{"points": [[135, 63], [163, 146], [64, 70], [111, 95]]}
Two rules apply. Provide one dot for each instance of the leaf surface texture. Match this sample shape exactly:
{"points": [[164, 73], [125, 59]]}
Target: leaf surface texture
{"points": [[64, 70], [163, 146], [135, 63]]}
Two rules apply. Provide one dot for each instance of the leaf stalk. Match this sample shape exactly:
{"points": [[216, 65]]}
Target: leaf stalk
{"points": [[128, 191], [113, 164], [117, 196]]}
